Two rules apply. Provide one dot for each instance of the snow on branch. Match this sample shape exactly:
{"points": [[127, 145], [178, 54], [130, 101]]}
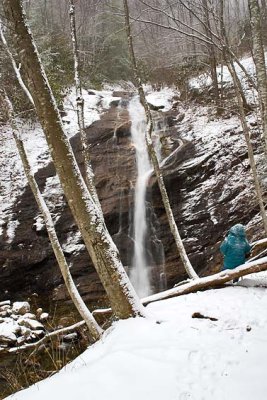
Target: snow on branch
{"points": [[47, 337], [195, 285], [210, 281]]}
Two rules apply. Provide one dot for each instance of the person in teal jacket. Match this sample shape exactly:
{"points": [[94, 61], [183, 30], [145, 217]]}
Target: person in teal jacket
{"points": [[235, 247]]}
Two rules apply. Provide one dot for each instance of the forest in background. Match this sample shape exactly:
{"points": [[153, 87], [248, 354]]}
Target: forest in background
{"points": [[174, 40]]}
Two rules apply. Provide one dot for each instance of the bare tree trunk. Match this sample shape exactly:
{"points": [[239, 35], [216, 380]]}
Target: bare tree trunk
{"points": [[194, 51], [259, 59], [93, 327], [251, 157], [88, 216], [89, 175], [249, 147], [230, 57], [241, 66], [152, 154], [212, 56], [14, 65], [242, 116]]}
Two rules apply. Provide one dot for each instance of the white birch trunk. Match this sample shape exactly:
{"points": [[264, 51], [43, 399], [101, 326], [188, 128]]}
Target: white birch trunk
{"points": [[251, 157], [152, 154], [242, 116], [89, 175], [14, 65], [91, 323], [259, 59]]}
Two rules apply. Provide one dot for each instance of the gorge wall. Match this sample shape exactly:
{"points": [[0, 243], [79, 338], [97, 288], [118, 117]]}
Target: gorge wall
{"points": [[208, 179]]}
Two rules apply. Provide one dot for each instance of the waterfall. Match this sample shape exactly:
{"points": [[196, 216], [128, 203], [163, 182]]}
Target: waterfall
{"points": [[139, 273]]}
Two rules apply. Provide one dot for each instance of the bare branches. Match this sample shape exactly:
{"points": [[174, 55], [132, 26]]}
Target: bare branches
{"points": [[198, 34], [46, 338]]}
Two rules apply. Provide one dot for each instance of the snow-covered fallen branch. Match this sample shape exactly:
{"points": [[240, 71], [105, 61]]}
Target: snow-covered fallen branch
{"points": [[192, 286], [210, 281], [47, 337]]}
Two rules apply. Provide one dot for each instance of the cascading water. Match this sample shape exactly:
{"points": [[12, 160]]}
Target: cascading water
{"points": [[139, 273]]}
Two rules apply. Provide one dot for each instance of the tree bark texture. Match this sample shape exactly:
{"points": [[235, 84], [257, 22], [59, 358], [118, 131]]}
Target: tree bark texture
{"points": [[212, 56]]}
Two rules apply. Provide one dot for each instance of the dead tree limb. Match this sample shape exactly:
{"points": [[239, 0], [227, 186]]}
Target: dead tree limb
{"points": [[208, 282], [211, 281], [47, 337]]}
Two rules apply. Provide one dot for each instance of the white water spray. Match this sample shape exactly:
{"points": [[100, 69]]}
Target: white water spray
{"points": [[139, 273]]}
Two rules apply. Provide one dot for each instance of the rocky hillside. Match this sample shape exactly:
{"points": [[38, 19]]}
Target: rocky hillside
{"points": [[207, 176]]}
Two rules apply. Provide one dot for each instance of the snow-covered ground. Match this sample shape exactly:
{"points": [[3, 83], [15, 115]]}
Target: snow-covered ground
{"points": [[95, 102], [204, 80], [224, 74], [180, 358], [162, 98]]}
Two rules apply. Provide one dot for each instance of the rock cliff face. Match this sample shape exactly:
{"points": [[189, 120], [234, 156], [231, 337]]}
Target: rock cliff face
{"points": [[208, 179]]}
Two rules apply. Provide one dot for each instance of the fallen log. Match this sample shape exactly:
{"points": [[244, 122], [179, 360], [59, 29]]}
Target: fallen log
{"points": [[211, 281], [208, 282], [192, 286]]}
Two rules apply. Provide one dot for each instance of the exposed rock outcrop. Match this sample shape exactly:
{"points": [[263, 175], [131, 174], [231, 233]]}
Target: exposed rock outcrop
{"points": [[208, 180]]}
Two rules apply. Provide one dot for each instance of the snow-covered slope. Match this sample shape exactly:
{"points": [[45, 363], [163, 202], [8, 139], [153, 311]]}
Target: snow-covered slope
{"points": [[224, 77], [180, 358], [12, 177]]}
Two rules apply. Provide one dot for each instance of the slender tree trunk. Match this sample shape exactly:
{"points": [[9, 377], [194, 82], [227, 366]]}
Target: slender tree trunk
{"points": [[14, 65], [93, 327], [152, 154], [89, 176], [242, 116], [264, 18], [241, 66], [88, 216], [230, 57], [194, 51], [251, 157], [212, 56], [259, 59]]}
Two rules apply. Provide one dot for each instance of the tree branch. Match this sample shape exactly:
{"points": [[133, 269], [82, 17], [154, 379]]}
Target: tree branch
{"points": [[48, 336]]}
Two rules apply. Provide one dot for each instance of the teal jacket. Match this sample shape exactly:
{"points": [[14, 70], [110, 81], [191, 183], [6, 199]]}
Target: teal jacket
{"points": [[235, 247]]}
